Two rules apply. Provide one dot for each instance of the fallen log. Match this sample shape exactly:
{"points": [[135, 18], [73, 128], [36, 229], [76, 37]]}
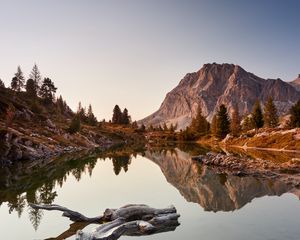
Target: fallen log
{"points": [[129, 220], [72, 215]]}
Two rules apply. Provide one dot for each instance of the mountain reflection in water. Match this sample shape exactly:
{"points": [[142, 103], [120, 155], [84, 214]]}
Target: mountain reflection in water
{"points": [[36, 181], [214, 192]]}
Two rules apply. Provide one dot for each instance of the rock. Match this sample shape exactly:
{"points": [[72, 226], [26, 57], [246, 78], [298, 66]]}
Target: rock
{"points": [[24, 114], [28, 143], [240, 174], [15, 153], [30, 153], [66, 136], [50, 124], [296, 83], [227, 138], [198, 158], [216, 84]]}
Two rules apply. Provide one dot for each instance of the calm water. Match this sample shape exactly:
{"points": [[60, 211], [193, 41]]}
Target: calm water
{"points": [[211, 206]]}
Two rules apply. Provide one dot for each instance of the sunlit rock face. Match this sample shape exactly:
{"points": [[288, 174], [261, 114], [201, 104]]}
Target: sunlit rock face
{"points": [[214, 192], [216, 84], [296, 83]]}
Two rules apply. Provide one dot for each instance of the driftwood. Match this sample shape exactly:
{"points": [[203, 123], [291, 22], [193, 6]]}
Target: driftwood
{"points": [[130, 220]]}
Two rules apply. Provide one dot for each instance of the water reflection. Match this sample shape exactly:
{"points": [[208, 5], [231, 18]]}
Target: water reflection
{"points": [[213, 191], [36, 181], [120, 162]]}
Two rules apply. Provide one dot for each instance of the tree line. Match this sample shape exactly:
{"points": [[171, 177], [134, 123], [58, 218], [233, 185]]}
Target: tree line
{"points": [[222, 124], [87, 116], [35, 86]]}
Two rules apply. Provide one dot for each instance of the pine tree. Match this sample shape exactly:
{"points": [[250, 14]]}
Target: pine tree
{"points": [[125, 117], [92, 120], [61, 105], [35, 75], [199, 126], [235, 124], [295, 115], [223, 122], [142, 128], [47, 90], [134, 125], [31, 89], [117, 115], [247, 124], [17, 82], [257, 116], [214, 125], [80, 111], [165, 127], [14, 84], [270, 114], [75, 124]]}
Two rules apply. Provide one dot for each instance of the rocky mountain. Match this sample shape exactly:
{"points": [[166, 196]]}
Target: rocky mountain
{"points": [[296, 83], [216, 84]]}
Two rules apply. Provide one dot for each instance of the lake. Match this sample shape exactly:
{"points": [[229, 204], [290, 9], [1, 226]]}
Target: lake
{"points": [[212, 206]]}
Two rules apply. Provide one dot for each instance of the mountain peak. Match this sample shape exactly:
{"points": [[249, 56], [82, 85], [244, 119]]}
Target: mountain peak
{"points": [[215, 84], [296, 83]]}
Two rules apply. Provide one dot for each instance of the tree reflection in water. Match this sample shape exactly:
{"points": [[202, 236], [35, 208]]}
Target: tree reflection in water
{"points": [[120, 162], [35, 182]]}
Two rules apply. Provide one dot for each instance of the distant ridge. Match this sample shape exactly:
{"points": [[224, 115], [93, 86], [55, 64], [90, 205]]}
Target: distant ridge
{"points": [[215, 84]]}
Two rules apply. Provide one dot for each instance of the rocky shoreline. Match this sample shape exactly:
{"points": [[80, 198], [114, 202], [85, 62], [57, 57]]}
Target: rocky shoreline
{"points": [[243, 166], [15, 146]]}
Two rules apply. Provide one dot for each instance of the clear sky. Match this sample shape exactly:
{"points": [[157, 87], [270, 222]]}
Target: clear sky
{"points": [[132, 53]]}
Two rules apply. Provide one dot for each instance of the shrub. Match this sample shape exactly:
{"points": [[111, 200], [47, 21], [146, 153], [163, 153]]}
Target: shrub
{"points": [[75, 125]]}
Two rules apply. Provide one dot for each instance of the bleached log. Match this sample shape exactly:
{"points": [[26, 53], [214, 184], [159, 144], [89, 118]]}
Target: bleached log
{"points": [[72, 215], [115, 229], [130, 220]]}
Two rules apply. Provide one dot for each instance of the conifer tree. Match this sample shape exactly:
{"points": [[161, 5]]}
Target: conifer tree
{"points": [[75, 124], [35, 75], [235, 124], [151, 128], [270, 114], [257, 116], [125, 117], [295, 115], [214, 125], [61, 105], [134, 125], [165, 127], [117, 115], [92, 120], [247, 124], [47, 90], [199, 126], [18, 81], [223, 122], [31, 89], [81, 112]]}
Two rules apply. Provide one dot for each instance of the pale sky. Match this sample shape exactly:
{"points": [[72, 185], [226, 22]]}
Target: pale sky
{"points": [[132, 53]]}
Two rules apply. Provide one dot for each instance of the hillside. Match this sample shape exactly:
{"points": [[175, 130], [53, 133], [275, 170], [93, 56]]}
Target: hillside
{"points": [[41, 130], [216, 84]]}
